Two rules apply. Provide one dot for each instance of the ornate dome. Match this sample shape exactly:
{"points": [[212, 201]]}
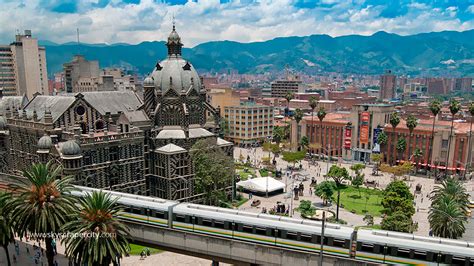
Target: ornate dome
{"points": [[45, 143], [3, 122], [176, 73], [71, 148]]}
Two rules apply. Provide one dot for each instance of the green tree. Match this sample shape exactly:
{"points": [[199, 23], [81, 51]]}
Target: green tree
{"points": [[338, 175], [412, 122], [397, 197], [294, 157], [321, 114], [401, 147], [43, 204], [394, 121], [382, 140], [214, 170], [398, 221], [6, 224], [289, 96], [454, 107], [278, 134], [447, 219], [358, 179], [377, 159], [97, 217], [304, 142], [435, 108], [368, 219], [313, 103], [417, 154], [306, 208], [298, 117], [454, 189], [325, 190]]}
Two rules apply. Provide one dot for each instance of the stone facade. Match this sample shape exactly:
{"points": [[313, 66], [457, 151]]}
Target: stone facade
{"points": [[113, 139]]}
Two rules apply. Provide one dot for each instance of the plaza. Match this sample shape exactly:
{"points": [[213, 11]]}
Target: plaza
{"points": [[422, 201]]}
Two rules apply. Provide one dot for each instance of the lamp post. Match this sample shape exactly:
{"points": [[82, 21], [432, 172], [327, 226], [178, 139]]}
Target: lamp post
{"points": [[322, 239]]}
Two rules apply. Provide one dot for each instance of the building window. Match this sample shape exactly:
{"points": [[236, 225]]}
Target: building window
{"points": [[444, 144]]}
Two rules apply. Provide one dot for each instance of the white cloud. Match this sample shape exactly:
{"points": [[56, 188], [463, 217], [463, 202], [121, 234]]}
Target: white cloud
{"points": [[207, 20]]}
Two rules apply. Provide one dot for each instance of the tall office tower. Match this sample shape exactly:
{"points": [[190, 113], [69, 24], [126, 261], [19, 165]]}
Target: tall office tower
{"points": [[23, 67], [388, 83], [81, 75]]}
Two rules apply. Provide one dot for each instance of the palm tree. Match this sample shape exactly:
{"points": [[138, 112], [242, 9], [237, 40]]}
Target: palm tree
{"points": [[469, 146], [382, 140], [454, 107], [298, 117], [411, 125], [98, 216], [454, 189], [401, 146], [43, 204], [417, 154], [304, 142], [447, 219], [6, 228], [394, 121], [289, 96], [313, 103], [435, 108], [321, 115]]}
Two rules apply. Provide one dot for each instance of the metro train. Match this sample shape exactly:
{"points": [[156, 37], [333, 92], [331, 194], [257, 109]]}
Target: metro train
{"points": [[377, 246]]}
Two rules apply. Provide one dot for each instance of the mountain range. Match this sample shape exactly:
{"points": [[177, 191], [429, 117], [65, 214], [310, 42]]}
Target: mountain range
{"points": [[435, 53]]}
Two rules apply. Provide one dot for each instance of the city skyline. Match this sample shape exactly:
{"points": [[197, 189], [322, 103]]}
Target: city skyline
{"points": [[242, 21]]}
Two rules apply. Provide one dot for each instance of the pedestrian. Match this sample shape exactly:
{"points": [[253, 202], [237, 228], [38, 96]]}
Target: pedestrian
{"points": [[56, 263], [421, 199], [27, 250], [14, 258], [310, 191]]}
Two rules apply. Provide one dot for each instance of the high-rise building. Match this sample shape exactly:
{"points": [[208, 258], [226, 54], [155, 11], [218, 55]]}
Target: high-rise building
{"points": [[463, 84], [281, 87], [248, 123], [81, 75], [388, 84], [23, 67]]}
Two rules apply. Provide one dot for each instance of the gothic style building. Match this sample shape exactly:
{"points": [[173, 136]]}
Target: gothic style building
{"points": [[113, 139]]}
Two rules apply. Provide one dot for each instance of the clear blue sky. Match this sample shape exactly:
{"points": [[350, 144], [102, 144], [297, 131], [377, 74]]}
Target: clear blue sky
{"points": [[134, 21]]}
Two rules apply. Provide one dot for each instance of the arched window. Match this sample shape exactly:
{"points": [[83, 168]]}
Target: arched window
{"points": [[99, 125]]}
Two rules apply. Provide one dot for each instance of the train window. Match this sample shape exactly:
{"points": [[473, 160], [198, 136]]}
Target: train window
{"points": [[260, 231], [187, 219], [314, 239], [127, 210], [281, 233], [306, 238], [180, 218], [159, 215], [136, 211], [419, 255], [430, 256], [247, 229], [292, 236], [404, 253], [227, 225], [218, 224], [330, 241], [393, 251], [270, 232], [240, 227], [366, 248], [338, 243], [206, 222], [166, 215], [378, 249], [460, 261], [448, 259], [199, 220]]}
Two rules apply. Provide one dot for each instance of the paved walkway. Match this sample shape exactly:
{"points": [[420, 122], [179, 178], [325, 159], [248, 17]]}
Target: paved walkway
{"points": [[421, 200]]}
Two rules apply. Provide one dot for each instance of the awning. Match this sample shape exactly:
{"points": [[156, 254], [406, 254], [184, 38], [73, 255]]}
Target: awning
{"points": [[261, 184]]}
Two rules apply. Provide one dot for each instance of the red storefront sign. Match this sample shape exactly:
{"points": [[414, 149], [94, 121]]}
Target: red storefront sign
{"points": [[347, 138], [364, 127]]}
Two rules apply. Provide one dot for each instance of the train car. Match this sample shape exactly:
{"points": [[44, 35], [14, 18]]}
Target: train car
{"points": [[408, 249], [262, 228]]}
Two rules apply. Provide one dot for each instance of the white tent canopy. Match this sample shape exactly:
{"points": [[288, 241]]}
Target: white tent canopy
{"points": [[261, 184]]}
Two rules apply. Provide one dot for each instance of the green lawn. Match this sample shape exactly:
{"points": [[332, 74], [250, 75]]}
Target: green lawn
{"points": [[375, 226], [137, 249], [264, 172], [355, 200], [245, 175]]}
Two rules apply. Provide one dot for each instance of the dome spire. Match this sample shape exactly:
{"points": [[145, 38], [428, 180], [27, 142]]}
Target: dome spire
{"points": [[174, 42]]}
